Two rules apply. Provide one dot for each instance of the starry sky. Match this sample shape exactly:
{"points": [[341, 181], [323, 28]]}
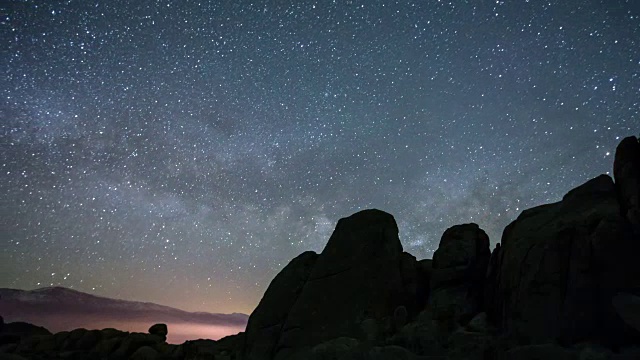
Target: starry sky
{"points": [[182, 152]]}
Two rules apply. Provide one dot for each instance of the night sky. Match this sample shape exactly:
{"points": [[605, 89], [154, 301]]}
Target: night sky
{"points": [[182, 152]]}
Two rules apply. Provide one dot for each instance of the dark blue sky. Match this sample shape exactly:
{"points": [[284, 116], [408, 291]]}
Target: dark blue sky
{"points": [[184, 152]]}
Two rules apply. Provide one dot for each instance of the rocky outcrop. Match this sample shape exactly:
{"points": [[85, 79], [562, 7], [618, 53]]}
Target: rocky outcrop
{"points": [[361, 274], [458, 275], [626, 171], [561, 264], [159, 330], [266, 321]]}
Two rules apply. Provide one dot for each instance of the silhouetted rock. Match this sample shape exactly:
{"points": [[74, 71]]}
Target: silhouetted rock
{"points": [[416, 277], [266, 322], [133, 342], [357, 276], [24, 329], [229, 347], [159, 330], [626, 171], [458, 274], [560, 265], [13, 333]]}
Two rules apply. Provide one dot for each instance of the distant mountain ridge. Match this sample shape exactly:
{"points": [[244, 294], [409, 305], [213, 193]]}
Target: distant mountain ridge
{"points": [[66, 299], [61, 309]]}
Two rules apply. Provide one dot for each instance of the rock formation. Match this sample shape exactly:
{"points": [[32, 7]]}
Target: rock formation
{"points": [[561, 264], [266, 321], [626, 171], [362, 274], [458, 274], [159, 330], [564, 283]]}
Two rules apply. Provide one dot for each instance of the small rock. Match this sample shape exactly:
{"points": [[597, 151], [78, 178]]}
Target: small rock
{"points": [[160, 330], [626, 170]]}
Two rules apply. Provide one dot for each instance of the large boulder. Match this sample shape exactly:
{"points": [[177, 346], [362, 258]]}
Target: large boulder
{"points": [[266, 321], [560, 266], [458, 273], [15, 332], [159, 330], [358, 277], [626, 171]]}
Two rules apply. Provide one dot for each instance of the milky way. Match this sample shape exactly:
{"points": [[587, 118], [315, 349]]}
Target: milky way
{"points": [[182, 152]]}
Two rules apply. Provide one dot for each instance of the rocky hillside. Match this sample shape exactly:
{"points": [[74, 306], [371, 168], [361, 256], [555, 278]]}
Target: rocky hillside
{"points": [[564, 283]]}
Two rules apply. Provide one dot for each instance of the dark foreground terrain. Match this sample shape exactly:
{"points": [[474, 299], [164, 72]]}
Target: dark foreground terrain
{"points": [[564, 284]]}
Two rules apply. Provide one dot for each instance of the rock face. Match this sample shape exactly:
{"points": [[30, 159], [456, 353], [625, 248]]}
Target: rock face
{"points": [[361, 274], [560, 265], [266, 321], [626, 171], [458, 274]]}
